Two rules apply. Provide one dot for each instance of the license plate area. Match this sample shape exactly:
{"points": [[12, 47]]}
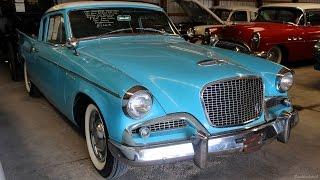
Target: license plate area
{"points": [[253, 142]]}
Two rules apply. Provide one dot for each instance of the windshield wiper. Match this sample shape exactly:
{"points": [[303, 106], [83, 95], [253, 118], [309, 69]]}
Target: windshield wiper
{"points": [[116, 31], [153, 30]]}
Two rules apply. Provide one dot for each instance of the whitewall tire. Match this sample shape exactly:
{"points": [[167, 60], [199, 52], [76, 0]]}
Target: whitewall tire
{"points": [[97, 144], [29, 86]]}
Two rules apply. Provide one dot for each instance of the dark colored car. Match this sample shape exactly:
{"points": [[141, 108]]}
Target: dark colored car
{"points": [[25, 18]]}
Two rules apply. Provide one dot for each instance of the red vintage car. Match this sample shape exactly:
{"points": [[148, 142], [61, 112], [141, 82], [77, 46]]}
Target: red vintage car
{"points": [[281, 32]]}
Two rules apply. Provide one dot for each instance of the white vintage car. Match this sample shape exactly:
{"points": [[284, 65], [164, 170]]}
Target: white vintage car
{"points": [[235, 14], [199, 18]]}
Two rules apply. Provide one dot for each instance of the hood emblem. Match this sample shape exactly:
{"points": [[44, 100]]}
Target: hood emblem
{"points": [[212, 62]]}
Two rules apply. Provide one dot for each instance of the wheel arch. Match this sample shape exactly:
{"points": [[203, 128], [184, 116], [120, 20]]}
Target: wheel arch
{"points": [[285, 52], [82, 100]]}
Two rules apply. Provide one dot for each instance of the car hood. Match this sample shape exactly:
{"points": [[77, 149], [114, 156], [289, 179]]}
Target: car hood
{"points": [[168, 67]]}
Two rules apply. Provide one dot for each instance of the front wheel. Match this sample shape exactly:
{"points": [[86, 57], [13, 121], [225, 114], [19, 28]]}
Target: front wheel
{"points": [[275, 55], [97, 144]]}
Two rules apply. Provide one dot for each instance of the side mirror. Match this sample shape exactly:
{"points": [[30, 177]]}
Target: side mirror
{"points": [[73, 43]]}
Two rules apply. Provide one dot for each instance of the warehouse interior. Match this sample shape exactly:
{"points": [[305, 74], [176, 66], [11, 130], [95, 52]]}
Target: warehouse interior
{"points": [[38, 141]]}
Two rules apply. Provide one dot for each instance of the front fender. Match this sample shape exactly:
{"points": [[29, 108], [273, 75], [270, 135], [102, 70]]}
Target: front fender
{"points": [[110, 107]]}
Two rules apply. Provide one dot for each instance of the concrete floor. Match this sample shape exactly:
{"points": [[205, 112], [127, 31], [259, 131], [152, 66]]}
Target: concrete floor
{"points": [[36, 142]]}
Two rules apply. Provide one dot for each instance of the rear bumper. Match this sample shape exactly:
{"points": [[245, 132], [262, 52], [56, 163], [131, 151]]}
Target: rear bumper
{"points": [[200, 146]]}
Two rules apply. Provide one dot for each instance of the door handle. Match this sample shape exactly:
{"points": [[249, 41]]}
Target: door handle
{"points": [[70, 75]]}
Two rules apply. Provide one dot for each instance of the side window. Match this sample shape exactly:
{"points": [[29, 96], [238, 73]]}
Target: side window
{"points": [[239, 16], [313, 17], [56, 31]]}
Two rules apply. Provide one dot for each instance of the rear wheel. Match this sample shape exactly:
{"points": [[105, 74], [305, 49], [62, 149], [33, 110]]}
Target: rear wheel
{"points": [[97, 144], [30, 87], [275, 55]]}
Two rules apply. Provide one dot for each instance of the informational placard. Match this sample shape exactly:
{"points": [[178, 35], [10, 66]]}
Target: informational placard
{"points": [[102, 18], [20, 7], [19, 1]]}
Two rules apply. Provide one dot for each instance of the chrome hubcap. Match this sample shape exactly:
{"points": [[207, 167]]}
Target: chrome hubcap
{"points": [[97, 136]]}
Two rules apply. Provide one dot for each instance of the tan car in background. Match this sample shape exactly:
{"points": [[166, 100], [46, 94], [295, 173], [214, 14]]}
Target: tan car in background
{"points": [[235, 14]]}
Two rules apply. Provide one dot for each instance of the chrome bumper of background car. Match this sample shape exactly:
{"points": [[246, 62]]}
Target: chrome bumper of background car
{"points": [[243, 48], [261, 54], [200, 146]]}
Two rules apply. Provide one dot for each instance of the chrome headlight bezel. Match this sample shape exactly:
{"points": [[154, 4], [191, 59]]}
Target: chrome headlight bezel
{"points": [[131, 100], [214, 39], [190, 32], [255, 40], [284, 80]]}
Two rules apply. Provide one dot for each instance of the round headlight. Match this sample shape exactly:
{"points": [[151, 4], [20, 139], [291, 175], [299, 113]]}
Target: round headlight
{"points": [[255, 41], [138, 103], [285, 81], [190, 32]]}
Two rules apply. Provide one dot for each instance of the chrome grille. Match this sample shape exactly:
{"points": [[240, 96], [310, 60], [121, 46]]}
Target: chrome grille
{"points": [[233, 102], [166, 125]]}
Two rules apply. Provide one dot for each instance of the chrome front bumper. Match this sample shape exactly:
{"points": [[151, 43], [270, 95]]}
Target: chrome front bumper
{"points": [[200, 146]]}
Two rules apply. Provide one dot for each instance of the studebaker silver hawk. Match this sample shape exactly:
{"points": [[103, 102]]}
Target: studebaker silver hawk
{"points": [[143, 95]]}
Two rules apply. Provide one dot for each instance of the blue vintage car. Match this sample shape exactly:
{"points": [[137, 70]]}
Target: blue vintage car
{"points": [[143, 95]]}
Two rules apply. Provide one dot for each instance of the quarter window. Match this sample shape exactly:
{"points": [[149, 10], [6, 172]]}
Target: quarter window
{"points": [[56, 30]]}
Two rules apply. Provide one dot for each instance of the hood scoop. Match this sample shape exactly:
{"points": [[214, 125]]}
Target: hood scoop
{"points": [[212, 62]]}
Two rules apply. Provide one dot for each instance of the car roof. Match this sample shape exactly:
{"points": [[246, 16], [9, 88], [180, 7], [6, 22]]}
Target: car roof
{"points": [[302, 6], [97, 4], [235, 8]]}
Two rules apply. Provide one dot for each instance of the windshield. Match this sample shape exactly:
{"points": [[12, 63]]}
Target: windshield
{"points": [[120, 21], [197, 14], [279, 15], [223, 14]]}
